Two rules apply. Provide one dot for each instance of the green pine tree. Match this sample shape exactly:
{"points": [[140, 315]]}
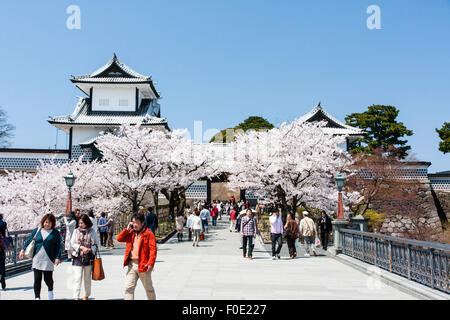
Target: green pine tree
{"points": [[382, 130], [444, 134], [252, 122]]}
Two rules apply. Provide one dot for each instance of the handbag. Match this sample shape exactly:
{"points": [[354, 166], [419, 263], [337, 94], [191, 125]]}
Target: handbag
{"points": [[97, 269], [29, 250], [317, 242], [202, 236]]}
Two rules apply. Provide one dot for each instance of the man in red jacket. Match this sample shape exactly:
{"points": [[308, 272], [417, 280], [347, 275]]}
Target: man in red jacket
{"points": [[140, 256]]}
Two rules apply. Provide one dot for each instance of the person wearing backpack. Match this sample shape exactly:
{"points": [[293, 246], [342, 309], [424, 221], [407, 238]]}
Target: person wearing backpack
{"points": [[248, 233], [308, 231], [291, 228]]}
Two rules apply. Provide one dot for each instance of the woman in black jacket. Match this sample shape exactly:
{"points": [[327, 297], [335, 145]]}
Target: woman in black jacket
{"points": [[325, 229]]}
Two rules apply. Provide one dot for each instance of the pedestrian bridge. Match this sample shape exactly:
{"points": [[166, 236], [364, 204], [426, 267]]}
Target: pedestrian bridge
{"points": [[217, 270]]}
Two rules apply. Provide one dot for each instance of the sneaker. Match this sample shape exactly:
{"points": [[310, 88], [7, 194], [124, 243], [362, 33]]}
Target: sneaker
{"points": [[315, 253], [85, 298], [250, 258], [278, 256], [37, 299], [273, 258], [306, 254], [50, 295], [243, 255]]}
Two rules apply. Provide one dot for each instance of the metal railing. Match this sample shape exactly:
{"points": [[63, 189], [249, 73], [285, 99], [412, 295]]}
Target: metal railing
{"points": [[12, 261], [420, 261]]}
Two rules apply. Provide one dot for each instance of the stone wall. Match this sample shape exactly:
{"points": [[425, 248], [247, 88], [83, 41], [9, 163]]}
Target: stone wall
{"points": [[426, 226], [443, 202]]}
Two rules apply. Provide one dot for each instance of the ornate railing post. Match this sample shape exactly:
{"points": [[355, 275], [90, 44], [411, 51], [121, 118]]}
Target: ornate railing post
{"points": [[353, 245], [409, 261], [376, 251], [15, 249], [432, 267], [363, 249], [390, 256]]}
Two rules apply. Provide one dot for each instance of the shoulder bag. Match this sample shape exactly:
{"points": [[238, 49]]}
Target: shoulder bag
{"points": [[97, 269], [29, 250]]}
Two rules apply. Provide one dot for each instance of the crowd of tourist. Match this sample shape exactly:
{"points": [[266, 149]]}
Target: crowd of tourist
{"points": [[85, 234]]}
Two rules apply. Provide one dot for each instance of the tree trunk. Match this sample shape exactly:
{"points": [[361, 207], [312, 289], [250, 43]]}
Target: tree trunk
{"points": [[155, 202], [173, 199], [182, 196], [135, 204], [283, 203]]}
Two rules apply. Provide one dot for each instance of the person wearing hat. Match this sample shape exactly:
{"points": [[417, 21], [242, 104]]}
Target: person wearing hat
{"points": [[308, 231]]}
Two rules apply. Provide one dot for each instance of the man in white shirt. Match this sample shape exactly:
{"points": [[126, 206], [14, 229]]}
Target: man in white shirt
{"points": [[276, 233]]}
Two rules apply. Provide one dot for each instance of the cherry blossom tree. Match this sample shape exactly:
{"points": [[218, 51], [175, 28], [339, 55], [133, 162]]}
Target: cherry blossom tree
{"points": [[141, 162], [134, 161], [189, 163], [26, 197], [293, 165]]}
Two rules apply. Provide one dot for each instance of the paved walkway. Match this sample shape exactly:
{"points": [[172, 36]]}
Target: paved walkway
{"points": [[217, 270]]}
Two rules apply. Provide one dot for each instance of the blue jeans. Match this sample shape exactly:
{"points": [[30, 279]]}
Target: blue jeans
{"points": [[204, 225], [214, 219]]}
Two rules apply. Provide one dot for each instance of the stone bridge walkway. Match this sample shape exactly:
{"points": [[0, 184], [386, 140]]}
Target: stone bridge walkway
{"points": [[217, 270]]}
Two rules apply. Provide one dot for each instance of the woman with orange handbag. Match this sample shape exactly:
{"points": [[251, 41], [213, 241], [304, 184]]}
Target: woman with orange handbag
{"points": [[84, 242]]}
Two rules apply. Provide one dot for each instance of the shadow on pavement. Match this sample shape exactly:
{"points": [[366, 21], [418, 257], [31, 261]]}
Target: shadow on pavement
{"points": [[18, 288]]}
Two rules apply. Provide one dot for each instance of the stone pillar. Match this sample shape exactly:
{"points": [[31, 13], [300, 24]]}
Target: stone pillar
{"points": [[361, 222], [338, 225]]}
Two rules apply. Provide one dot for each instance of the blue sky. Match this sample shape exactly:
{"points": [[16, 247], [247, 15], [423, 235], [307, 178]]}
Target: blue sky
{"points": [[222, 61]]}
